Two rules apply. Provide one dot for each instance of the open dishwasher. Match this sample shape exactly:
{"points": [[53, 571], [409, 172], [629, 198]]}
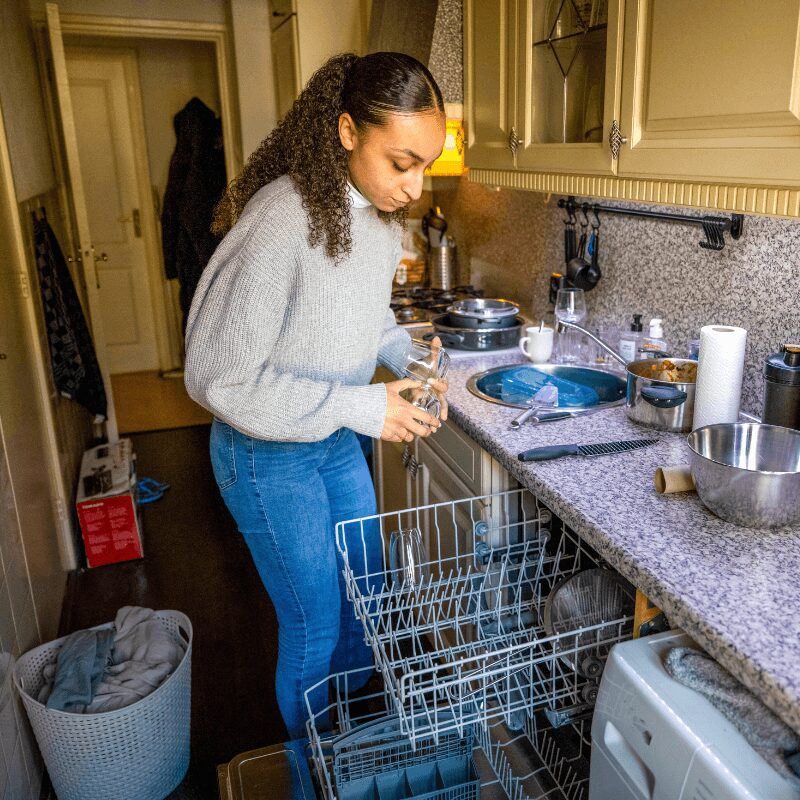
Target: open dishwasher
{"points": [[483, 694]]}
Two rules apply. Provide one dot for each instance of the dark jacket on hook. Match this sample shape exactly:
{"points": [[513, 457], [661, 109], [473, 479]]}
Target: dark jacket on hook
{"points": [[76, 372], [195, 183]]}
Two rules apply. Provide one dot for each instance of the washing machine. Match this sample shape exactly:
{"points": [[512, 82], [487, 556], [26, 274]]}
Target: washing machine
{"points": [[655, 739]]}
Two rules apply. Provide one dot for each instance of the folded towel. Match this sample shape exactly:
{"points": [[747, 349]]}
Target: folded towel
{"points": [[775, 741]]}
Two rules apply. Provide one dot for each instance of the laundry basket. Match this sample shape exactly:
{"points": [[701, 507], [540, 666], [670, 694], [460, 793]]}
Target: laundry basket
{"points": [[139, 752]]}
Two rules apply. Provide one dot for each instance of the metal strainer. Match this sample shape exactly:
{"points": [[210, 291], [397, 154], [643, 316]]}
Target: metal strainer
{"points": [[582, 601]]}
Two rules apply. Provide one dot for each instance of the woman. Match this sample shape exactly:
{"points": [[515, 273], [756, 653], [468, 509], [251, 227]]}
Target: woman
{"points": [[287, 324]]}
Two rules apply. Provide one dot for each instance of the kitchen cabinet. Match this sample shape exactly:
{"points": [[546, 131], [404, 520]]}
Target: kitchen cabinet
{"points": [[542, 83], [568, 84], [444, 467], [710, 90], [305, 34], [666, 90], [489, 80]]}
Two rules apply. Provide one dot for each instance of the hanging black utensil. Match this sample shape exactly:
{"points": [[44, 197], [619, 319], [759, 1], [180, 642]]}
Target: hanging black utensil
{"points": [[570, 246], [594, 258]]}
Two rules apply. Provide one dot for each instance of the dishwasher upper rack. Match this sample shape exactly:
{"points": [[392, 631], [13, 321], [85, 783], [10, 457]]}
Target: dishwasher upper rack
{"points": [[469, 645]]}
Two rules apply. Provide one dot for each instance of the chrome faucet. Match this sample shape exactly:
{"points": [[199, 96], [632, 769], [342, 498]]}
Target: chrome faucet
{"points": [[563, 325]]}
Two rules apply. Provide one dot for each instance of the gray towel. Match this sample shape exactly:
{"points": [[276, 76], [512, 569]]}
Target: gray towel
{"points": [[87, 679], [776, 742], [75, 676], [144, 656]]}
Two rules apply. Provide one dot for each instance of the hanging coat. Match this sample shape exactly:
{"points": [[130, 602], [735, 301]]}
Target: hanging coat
{"points": [[195, 183], [75, 369]]}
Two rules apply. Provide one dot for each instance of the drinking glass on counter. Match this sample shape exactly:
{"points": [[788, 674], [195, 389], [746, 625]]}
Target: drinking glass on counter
{"points": [[570, 307]]}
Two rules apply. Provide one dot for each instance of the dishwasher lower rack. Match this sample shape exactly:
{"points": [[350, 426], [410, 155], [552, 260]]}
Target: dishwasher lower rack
{"points": [[359, 753], [469, 645]]}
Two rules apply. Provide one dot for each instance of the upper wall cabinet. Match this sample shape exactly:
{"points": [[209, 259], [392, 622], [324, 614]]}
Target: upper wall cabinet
{"points": [[568, 83], [711, 90], [677, 90], [489, 81]]}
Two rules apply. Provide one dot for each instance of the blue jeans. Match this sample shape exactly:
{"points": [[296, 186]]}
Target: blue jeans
{"points": [[286, 498]]}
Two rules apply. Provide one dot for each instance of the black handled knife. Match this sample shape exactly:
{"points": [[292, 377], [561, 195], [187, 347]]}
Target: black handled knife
{"points": [[604, 449]]}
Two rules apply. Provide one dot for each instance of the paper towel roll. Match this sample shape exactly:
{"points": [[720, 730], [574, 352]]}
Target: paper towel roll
{"points": [[719, 375]]}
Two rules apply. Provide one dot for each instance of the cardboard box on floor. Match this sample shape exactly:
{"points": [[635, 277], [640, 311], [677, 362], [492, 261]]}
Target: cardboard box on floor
{"points": [[107, 508]]}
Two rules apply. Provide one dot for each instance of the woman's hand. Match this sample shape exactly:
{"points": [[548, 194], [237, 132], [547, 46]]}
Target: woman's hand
{"points": [[404, 421]]}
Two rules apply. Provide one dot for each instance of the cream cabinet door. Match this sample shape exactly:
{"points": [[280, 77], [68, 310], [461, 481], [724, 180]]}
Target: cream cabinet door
{"points": [[711, 91], [489, 82], [568, 84]]}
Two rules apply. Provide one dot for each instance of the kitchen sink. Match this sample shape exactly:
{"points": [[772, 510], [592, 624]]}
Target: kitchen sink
{"points": [[609, 386]]}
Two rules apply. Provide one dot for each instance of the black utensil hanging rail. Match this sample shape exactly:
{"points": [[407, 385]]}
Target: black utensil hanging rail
{"points": [[713, 227]]}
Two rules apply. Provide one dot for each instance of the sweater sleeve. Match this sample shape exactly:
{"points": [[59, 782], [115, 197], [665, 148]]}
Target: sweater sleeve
{"points": [[232, 334], [393, 345]]}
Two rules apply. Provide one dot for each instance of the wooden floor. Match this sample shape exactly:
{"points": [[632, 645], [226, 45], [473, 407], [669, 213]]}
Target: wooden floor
{"points": [[147, 402], [196, 562]]}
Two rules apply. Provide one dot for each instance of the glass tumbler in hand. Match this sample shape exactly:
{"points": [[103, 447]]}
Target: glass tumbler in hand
{"points": [[426, 362], [570, 307], [408, 561]]}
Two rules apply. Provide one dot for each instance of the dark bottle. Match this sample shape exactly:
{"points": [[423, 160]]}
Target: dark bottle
{"points": [[782, 388]]}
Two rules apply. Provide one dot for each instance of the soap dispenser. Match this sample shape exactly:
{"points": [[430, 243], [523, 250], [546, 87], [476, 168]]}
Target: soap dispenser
{"points": [[654, 345], [782, 388], [629, 342]]}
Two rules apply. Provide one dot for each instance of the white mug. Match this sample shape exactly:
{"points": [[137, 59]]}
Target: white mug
{"points": [[537, 344]]}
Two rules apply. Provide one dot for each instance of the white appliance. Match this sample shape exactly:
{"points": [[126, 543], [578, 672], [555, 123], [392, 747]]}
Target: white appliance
{"points": [[655, 738]]}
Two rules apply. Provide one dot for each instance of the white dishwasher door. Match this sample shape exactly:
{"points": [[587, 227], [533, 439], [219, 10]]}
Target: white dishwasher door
{"points": [[654, 738]]}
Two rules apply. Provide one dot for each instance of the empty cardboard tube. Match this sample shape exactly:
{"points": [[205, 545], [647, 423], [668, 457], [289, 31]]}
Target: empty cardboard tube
{"points": [[674, 479]]}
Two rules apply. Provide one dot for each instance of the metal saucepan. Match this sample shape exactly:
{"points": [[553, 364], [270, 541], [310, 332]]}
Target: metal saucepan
{"points": [[481, 312], [748, 473], [660, 393], [461, 338]]}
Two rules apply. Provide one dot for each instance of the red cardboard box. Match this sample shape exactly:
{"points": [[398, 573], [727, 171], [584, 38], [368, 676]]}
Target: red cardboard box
{"points": [[106, 503]]}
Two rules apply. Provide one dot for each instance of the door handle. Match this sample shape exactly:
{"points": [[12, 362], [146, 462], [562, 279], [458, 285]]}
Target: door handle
{"points": [[137, 224]]}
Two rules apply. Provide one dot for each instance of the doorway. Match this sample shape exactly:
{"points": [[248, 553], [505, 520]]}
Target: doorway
{"points": [[102, 84], [126, 80]]}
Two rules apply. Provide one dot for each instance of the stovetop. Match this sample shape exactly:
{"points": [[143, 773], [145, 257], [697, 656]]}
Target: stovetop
{"points": [[421, 304]]}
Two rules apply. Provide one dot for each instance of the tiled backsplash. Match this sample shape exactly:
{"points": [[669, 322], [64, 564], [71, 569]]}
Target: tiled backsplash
{"points": [[510, 241]]}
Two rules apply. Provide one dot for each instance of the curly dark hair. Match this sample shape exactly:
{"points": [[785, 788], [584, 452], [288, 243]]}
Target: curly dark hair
{"points": [[305, 145]]}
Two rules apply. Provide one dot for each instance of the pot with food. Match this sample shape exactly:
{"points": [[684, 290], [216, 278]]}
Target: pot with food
{"points": [[660, 393]]}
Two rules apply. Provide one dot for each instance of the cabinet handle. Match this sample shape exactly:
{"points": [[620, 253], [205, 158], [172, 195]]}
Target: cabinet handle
{"points": [[513, 141], [616, 140]]}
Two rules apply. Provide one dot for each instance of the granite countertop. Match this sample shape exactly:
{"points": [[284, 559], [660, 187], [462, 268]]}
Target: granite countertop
{"points": [[735, 590]]}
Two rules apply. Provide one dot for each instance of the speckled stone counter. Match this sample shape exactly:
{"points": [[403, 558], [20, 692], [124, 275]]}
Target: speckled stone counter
{"points": [[736, 591]]}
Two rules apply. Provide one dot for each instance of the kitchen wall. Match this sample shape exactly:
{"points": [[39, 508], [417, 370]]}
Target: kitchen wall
{"points": [[510, 241]]}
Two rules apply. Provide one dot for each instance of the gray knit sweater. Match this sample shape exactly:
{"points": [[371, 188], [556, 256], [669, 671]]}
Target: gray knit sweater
{"points": [[281, 342]]}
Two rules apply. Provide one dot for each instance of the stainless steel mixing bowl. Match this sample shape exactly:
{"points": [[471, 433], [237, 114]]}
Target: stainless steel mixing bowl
{"points": [[748, 473]]}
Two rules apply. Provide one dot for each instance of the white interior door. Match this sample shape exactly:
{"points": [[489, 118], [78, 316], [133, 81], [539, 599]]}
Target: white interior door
{"points": [[98, 87], [85, 251]]}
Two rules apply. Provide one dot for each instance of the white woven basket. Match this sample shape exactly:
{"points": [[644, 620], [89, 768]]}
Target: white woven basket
{"points": [[140, 752]]}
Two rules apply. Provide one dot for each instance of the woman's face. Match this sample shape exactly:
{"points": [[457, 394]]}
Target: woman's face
{"points": [[386, 162]]}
